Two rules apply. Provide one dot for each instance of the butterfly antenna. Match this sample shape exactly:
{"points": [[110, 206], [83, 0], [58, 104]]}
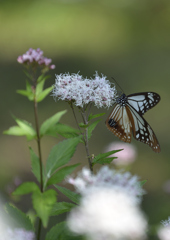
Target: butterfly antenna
{"points": [[117, 84]]}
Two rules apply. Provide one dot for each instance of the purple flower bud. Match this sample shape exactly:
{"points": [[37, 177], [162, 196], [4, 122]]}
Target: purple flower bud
{"points": [[33, 56]]}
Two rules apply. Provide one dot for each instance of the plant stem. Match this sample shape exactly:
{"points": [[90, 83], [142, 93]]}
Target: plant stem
{"points": [[40, 160], [76, 119], [38, 143], [86, 140], [39, 229]]}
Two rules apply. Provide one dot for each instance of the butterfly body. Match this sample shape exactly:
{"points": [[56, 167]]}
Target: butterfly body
{"points": [[127, 118]]}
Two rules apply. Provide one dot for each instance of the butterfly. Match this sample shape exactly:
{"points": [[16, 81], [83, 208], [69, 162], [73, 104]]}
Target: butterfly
{"points": [[127, 118]]}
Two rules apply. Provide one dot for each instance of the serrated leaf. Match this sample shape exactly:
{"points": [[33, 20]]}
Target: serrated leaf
{"points": [[64, 130], [20, 218], [92, 127], [27, 128], [43, 204], [61, 207], [74, 197], [25, 188], [102, 156], [91, 116], [43, 94], [56, 231], [61, 174], [49, 124], [23, 129], [61, 154]]}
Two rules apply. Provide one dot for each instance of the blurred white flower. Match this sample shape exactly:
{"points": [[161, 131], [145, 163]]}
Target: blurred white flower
{"points": [[110, 179], [7, 230], [124, 157], [164, 231], [84, 91], [106, 214], [17, 234]]}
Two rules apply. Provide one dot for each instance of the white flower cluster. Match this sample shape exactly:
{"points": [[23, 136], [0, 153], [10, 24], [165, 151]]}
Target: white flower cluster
{"points": [[164, 232], [107, 210], [109, 179], [17, 234], [84, 91]]}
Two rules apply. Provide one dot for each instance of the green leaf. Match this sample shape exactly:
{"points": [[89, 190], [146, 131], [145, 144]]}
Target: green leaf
{"points": [[39, 87], [56, 231], [28, 92], [142, 182], [20, 218], [15, 130], [64, 130], [35, 164], [105, 160], [61, 154], [74, 197], [50, 123], [61, 232], [43, 204], [44, 93], [25, 188], [102, 156], [61, 174], [25, 93], [23, 129], [42, 77], [91, 116], [61, 207], [92, 127]]}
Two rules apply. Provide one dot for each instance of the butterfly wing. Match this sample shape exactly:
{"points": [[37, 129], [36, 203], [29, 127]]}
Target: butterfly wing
{"points": [[123, 120], [143, 101], [119, 122], [142, 131]]}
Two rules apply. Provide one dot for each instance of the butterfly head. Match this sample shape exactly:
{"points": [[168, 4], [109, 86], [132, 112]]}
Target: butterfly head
{"points": [[122, 100]]}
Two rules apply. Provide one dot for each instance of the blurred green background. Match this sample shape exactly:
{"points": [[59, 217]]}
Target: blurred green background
{"points": [[126, 39]]}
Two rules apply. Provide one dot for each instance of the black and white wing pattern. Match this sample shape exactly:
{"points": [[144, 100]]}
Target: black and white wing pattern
{"points": [[126, 118], [143, 101]]}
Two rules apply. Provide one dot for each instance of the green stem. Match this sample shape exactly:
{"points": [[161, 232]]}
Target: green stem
{"points": [[40, 159], [39, 229], [85, 137], [39, 144], [86, 141], [76, 118]]}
